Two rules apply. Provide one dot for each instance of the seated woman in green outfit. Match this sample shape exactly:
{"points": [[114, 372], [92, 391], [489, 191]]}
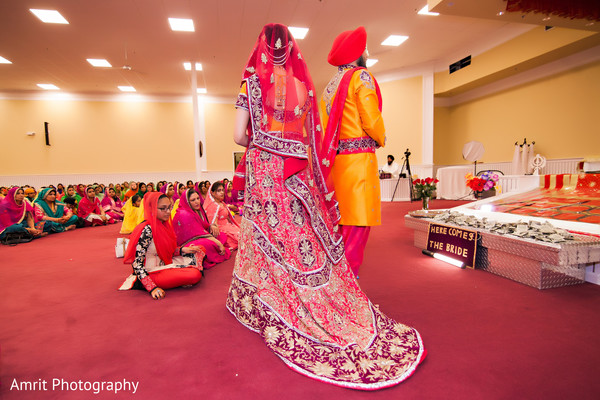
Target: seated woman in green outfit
{"points": [[57, 217]]}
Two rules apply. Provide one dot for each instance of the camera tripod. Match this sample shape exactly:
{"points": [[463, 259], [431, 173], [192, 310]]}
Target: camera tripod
{"points": [[405, 164]]}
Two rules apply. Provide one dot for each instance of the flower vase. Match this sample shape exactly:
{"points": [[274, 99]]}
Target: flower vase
{"points": [[425, 202], [484, 194]]}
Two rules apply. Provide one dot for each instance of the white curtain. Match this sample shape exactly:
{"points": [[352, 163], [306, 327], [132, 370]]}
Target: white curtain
{"points": [[530, 156], [517, 162]]}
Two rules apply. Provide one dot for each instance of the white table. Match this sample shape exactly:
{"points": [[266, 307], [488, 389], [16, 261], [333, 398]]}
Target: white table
{"points": [[452, 184], [387, 187]]}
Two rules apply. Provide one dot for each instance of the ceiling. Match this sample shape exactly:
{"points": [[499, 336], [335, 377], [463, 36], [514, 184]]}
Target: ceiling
{"points": [[136, 33]]}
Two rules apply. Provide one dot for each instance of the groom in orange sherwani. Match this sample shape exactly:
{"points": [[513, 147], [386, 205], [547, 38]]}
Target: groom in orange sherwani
{"points": [[351, 113]]}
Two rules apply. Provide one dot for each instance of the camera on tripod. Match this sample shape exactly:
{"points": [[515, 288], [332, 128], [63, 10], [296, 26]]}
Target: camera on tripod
{"points": [[405, 164], [407, 174]]}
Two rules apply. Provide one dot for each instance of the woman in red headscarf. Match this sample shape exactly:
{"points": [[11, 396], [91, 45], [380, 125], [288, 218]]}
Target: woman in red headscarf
{"points": [[157, 262], [90, 210], [291, 282]]}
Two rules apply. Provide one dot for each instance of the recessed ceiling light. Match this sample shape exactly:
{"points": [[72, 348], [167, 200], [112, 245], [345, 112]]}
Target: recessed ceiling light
{"points": [[298, 33], [99, 62], [425, 11], [47, 86], [394, 40], [188, 66], [371, 62], [201, 90], [546, 19], [500, 13], [4, 61], [49, 16], [181, 24], [126, 88]]}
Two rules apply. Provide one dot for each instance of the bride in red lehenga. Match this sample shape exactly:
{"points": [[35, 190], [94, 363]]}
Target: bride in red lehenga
{"points": [[291, 283]]}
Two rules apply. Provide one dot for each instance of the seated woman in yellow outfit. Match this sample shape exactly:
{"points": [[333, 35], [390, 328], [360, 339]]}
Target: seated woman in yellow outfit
{"points": [[133, 214]]}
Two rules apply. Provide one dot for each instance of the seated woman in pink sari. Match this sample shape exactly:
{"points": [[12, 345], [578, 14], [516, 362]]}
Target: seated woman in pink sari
{"points": [[168, 189], [16, 215], [179, 188], [192, 227], [217, 211], [203, 190], [231, 198], [91, 211], [112, 205]]}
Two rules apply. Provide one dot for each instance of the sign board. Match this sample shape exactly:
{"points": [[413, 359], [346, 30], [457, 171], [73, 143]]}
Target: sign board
{"points": [[457, 243]]}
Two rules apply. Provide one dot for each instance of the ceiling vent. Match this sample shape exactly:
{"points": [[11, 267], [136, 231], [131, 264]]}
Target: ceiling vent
{"points": [[460, 64]]}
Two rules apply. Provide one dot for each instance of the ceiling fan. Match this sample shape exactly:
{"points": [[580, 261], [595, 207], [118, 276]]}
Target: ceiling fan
{"points": [[125, 67]]}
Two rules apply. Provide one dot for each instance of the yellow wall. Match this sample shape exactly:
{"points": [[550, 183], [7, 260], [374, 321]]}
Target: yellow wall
{"points": [[529, 50], [95, 137], [402, 116], [559, 113], [219, 120]]}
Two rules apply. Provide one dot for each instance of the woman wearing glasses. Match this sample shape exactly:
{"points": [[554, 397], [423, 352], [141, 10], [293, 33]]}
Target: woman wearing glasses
{"points": [[157, 262]]}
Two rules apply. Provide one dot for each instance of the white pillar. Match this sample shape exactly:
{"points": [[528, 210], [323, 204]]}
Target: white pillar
{"points": [[428, 109], [199, 131]]}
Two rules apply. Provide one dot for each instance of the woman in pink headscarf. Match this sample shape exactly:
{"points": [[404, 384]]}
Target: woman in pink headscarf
{"points": [[169, 190], [112, 205], [16, 214], [218, 212], [231, 197], [178, 190], [192, 227]]}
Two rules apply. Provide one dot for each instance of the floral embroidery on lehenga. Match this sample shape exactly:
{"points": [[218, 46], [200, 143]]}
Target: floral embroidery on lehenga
{"points": [[297, 212], [270, 208], [391, 357]]}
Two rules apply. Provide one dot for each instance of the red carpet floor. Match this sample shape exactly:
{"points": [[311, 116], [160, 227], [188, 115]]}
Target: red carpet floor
{"points": [[61, 317]]}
